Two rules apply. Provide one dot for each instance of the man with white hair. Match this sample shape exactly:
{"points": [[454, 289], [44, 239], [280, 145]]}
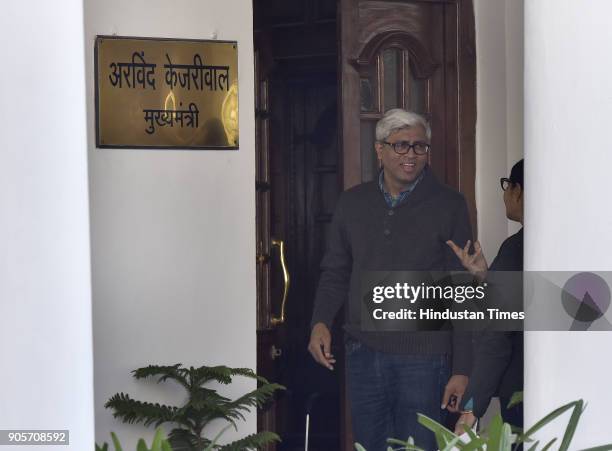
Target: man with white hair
{"points": [[400, 221]]}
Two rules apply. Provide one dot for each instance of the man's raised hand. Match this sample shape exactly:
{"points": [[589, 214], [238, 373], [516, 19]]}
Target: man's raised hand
{"points": [[475, 263]]}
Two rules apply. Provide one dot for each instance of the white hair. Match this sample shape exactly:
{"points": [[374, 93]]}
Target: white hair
{"points": [[398, 119]]}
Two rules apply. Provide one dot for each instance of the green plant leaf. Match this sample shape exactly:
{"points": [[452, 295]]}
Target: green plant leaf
{"points": [[599, 448], [164, 372], [394, 441], [185, 440], [116, 443], [516, 430], [221, 374], [141, 445], [407, 445], [104, 447], [470, 433], [443, 435], [358, 447], [475, 443], [495, 433], [132, 411], [549, 444], [203, 405], [252, 442], [206, 410], [517, 398], [158, 439], [506, 441], [256, 398], [453, 444], [572, 425], [212, 445], [547, 419], [534, 447]]}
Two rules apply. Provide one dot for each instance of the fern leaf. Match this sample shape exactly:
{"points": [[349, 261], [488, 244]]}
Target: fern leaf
{"points": [[206, 410], [200, 394], [132, 411], [203, 374], [247, 372], [185, 440], [222, 374], [255, 398], [165, 372], [252, 442], [154, 370]]}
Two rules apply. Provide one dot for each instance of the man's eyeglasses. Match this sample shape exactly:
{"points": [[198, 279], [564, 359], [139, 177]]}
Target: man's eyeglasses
{"points": [[403, 147], [505, 183]]}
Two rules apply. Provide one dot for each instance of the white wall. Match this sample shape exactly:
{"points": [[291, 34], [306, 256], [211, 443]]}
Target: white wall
{"points": [[514, 86], [499, 124], [173, 232], [568, 106], [45, 292]]}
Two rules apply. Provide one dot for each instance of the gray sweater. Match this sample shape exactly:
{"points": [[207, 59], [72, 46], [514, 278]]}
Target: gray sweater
{"points": [[366, 234]]}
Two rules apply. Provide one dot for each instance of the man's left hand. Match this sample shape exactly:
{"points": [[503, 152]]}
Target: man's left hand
{"points": [[466, 419], [454, 388]]}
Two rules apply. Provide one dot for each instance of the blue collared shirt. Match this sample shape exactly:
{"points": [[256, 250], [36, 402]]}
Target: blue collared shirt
{"points": [[393, 202]]}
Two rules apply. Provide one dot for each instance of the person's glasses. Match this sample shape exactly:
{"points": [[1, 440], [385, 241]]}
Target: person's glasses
{"points": [[403, 147], [505, 183]]}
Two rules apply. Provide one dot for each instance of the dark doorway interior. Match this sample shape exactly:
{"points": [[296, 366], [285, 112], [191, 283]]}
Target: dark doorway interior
{"points": [[298, 184]]}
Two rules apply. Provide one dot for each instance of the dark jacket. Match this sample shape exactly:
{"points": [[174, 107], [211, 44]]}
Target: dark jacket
{"points": [[367, 234], [498, 356]]}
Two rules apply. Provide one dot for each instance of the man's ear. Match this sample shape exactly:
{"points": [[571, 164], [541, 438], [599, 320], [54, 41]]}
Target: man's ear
{"points": [[378, 147], [519, 192]]}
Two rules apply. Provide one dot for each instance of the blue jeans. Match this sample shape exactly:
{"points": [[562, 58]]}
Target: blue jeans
{"points": [[386, 392]]}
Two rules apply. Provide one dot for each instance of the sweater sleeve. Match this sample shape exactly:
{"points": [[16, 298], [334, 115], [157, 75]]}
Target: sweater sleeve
{"points": [[462, 340], [336, 265], [493, 352]]}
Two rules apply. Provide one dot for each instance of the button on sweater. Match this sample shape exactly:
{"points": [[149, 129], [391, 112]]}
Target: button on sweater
{"points": [[366, 234]]}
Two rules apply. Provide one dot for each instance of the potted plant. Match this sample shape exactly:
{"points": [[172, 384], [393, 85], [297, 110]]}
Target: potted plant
{"points": [[203, 405]]}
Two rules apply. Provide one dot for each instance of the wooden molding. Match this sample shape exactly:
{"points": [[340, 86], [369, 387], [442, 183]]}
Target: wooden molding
{"points": [[424, 65]]}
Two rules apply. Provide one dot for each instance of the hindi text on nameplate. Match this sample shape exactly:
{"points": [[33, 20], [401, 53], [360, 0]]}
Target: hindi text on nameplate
{"points": [[166, 93]]}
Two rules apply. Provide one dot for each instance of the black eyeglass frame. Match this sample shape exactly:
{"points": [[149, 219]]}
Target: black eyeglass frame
{"points": [[505, 183], [396, 145]]}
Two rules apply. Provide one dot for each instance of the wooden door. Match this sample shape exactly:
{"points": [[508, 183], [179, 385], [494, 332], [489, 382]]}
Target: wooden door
{"points": [[298, 182]]}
